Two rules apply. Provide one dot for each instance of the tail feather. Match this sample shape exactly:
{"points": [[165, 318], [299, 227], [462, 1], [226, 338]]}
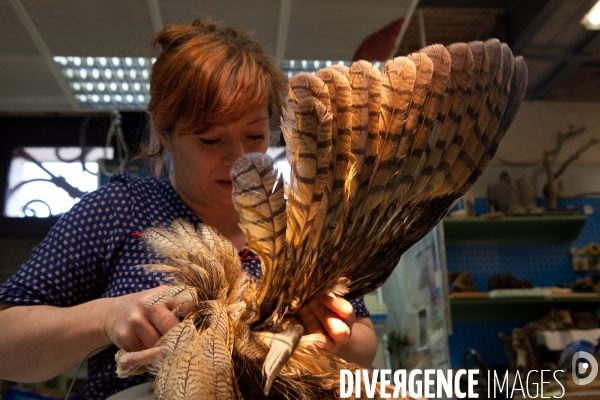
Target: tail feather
{"points": [[259, 200], [190, 262]]}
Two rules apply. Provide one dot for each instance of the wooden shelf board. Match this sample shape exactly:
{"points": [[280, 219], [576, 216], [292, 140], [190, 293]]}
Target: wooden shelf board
{"points": [[518, 308], [527, 229]]}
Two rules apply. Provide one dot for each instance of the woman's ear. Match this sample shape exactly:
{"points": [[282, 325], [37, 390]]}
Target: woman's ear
{"points": [[164, 139]]}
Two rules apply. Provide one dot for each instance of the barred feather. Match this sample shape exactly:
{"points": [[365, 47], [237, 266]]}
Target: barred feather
{"points": [[458, 93], [420, 150], [502, 94], [397, 87], [302, 86], [423, 82], [464, 161], [312, 133], [365, 83], [177, 340], [451, 137], [480, 84], [259, 200], [517, 93], [341, 134]]}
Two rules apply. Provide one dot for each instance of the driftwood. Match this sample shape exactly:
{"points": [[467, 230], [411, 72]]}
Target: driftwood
{"points": [[553, 188]]}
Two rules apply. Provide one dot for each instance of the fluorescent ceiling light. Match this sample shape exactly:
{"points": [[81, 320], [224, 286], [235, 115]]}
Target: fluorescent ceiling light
{"points": [[591, 20], [122, 83], [294, 67], [108, 82]]}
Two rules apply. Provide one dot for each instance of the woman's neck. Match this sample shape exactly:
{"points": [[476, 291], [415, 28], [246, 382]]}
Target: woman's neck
{"points": [[224, 219]]}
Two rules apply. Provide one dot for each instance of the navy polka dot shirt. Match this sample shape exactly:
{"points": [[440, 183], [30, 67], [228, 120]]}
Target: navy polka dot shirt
{"points": [[93, 252]]}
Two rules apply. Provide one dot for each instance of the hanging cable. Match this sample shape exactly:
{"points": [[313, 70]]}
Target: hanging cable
{"points": [[122, 152], [79, 368]]}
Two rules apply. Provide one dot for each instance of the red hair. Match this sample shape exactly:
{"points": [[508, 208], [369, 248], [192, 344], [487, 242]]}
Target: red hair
{"points": [[207, 75]]}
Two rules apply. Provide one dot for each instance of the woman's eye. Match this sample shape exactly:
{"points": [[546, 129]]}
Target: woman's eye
{"points": [[209, 142], [257, 137]]}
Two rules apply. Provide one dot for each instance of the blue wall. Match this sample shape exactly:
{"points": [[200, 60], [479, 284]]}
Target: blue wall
{"points": [[544, 264]]}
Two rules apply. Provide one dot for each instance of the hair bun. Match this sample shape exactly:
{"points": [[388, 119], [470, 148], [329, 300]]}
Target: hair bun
{"points": [[204, 25]]}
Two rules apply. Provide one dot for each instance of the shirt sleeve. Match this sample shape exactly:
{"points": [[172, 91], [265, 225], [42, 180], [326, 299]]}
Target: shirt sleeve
{"points": [[70, 265], [360, 309]]}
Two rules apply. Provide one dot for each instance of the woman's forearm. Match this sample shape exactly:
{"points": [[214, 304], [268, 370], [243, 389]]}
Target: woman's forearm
{"points": [[39, 342], [362, 347]]}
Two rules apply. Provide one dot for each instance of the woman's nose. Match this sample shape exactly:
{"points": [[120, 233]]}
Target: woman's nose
{"points": [[234, 152]]}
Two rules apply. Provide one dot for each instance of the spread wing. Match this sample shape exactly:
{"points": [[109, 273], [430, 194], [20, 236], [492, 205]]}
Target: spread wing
{"points": [[378, 158]]}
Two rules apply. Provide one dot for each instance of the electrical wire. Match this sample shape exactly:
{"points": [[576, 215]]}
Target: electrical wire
{"points": [[79, 368], [121, 146]]}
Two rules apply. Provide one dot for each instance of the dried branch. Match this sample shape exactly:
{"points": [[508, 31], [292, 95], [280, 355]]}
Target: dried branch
{"points": [[551, 192], [575, 156], [563, 137]]}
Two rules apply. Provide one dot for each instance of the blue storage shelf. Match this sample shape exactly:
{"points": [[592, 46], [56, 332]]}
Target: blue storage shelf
{"points": [[544, 263]]}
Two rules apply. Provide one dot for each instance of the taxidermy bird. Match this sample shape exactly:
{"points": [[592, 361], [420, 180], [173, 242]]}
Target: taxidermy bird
{"points": [[377, 159]]}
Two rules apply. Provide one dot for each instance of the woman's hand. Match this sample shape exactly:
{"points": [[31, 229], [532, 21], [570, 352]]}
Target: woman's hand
{"points": [[330, 316], [133, 325]]}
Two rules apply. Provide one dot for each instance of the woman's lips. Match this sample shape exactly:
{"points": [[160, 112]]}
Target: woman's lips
{"points": [[225, 184]]}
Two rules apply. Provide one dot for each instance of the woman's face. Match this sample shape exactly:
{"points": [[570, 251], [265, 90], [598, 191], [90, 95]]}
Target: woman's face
{"points": [[203, 162]]}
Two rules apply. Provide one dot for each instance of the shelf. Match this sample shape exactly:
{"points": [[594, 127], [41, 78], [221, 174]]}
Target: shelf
{"points": [[557, 229], [518, 308]]}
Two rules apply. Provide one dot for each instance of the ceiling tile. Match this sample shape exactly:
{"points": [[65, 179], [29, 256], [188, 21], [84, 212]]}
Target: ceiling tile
{"points": [[333, 30], [562, 29], [27, 84], [93, 27], [14, 39], [450, 25], [259, 16]]}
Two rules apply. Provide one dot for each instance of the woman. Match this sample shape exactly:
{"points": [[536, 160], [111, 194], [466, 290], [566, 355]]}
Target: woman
{"points": [[213, 94]]}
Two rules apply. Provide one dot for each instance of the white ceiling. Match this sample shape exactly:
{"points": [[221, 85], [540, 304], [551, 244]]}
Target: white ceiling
{"points": [[32, 31]]}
